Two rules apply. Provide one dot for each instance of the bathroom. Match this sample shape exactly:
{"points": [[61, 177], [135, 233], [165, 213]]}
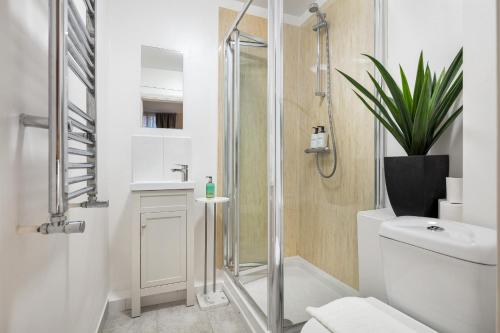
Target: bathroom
{"points": [[174, 92]]}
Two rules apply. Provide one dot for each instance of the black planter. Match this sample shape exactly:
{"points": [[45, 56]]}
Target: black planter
{"points": [[415, 183]]}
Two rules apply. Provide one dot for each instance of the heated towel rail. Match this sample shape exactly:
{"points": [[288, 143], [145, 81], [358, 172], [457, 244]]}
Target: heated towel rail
{"points": [[72, 128]]}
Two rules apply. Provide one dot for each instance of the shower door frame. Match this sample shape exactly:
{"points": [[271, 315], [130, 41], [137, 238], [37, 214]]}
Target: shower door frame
{"points": [[275, 149], [231, 221], [275, 284]]}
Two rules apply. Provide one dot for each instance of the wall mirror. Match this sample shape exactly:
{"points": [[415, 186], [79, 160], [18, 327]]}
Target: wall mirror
{"points": [[162, 88]]}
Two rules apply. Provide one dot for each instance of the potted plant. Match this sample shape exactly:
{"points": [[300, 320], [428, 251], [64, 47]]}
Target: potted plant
{"points": [[416, 119]]}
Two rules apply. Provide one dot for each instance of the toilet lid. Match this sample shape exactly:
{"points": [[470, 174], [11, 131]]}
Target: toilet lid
{"points": [[455, 239]]}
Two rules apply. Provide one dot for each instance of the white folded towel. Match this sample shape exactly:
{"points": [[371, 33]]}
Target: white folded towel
{"points": [[356, 315]]}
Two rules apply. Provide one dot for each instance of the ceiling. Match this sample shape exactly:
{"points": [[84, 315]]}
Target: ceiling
{"points": [[291, 7]]}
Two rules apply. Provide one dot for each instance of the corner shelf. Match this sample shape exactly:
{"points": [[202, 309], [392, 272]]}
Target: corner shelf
{"points": [[317, 150]]}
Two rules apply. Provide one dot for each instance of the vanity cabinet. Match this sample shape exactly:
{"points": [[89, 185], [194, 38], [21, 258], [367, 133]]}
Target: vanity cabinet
{"points": [[162, 244], [163, 248]]}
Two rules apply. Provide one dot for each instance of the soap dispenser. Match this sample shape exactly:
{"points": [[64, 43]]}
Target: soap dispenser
{"points": [[210, 188], [314, 141], [321, 138]]}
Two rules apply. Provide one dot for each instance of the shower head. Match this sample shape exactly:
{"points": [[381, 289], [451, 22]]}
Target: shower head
{"points": [[313, 8]]}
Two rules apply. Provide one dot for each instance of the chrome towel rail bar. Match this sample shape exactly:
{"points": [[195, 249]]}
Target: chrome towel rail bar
{"points": [[81, 44], [80, 112], [72, 128]]}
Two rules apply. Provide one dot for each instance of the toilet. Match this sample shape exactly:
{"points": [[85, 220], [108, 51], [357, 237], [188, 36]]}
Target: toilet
{"points": [[440, 276]]}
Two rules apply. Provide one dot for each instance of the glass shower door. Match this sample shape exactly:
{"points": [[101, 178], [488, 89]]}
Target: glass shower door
{"points": [[252, 159], [246, 123]]}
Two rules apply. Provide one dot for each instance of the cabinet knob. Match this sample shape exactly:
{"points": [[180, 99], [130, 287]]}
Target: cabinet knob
{"points": [[143, 226]]}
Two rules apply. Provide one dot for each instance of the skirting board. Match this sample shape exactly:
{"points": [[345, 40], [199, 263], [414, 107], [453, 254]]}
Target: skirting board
{"points": [[119, 302], [104, 316]]}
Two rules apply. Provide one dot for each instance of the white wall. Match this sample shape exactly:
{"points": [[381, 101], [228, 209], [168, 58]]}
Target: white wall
{"points": [[190, 27], [436, 27], [480, 118], [56, 283], [471, 142]]}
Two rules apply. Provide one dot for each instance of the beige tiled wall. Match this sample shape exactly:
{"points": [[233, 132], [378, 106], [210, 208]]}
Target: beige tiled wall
{"points": [[320, 215], [327, 214]]}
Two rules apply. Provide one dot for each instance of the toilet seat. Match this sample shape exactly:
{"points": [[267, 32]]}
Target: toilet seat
{"points": [[314, 326]]}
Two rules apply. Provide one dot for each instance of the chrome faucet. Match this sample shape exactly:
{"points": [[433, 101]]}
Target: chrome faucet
{"points": [[184, 168]]}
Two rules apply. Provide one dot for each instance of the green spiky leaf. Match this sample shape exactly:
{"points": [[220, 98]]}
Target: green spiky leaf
{"points": [[416, 120]]}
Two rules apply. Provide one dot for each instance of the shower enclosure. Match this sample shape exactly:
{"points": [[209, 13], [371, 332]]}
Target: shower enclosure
{"points": [[289, 235]]}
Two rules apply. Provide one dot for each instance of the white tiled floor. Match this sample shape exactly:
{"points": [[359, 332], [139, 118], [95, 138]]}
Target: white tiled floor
{"points": [[302, 289], [177, 318]]}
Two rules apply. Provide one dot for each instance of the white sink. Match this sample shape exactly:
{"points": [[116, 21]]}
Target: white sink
{"points": [[161, 185]]}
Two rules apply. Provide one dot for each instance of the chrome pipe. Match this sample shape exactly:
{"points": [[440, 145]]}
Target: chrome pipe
{"points": [[94, 203], [34, 121], [80, 152], [91, 108], [82, 45], [80, 165], [80, 137], [57, 105], [80, 112], [90, 7], [214, 254], [86, 128], [80, 60], [76, 21], [228, 157], [79, 179], [236, 151], [252, 44], [66, 227], [238, 19], [81, 75], [380, 52], [252, 37], [79, 192], [80, 51], [318, 91], [206, 251], [275, 167]]}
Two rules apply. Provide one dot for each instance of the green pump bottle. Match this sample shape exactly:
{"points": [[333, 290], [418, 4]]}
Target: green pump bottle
{"points": [[210, 188]]}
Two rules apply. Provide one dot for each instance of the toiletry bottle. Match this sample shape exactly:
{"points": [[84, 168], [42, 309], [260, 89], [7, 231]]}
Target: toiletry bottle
{"points": [[322, 137], [314, 137], [210, 188]]}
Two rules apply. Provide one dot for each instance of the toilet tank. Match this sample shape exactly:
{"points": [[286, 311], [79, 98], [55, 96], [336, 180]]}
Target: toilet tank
{"points": [[442, 273]]}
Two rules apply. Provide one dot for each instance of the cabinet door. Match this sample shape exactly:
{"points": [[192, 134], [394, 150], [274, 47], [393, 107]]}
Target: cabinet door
{"points": [[163, 248]]}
